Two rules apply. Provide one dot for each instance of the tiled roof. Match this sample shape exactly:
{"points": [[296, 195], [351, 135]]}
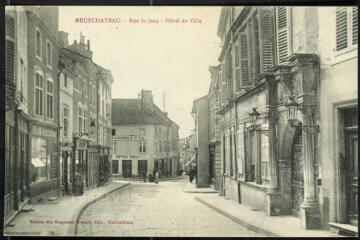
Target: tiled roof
{"points": [[130, 111]]}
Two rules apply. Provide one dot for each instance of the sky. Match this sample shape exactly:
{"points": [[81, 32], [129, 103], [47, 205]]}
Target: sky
{"points": [[170, 59]]}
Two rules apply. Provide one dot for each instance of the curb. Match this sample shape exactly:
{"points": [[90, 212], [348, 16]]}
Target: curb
{"points": [[72, 231], [247, 225]]}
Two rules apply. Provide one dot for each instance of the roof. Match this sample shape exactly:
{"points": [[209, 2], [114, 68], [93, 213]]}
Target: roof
{"points": [[130, 111]]}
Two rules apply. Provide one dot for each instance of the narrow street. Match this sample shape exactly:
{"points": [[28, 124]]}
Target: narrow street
{"points": [[148, 209]]}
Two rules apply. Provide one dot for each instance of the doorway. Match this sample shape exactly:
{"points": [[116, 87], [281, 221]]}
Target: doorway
{"points": [[126, 168], [142, 167], [297, 173]]}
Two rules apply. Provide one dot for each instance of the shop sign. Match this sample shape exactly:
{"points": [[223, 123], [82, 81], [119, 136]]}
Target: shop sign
{"points": [[127, 156], [128, 138]]}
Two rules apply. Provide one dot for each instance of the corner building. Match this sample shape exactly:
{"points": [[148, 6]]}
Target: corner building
{"points": [[281, 69]]}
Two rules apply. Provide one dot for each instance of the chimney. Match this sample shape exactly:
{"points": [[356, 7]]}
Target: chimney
{"points": [[146, 99], [63, 38], [88, 45]]}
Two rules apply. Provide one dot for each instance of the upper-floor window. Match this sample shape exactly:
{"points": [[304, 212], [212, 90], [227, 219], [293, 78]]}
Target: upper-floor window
{"points": [[283, 25], [38, 43], [346, 27], [113, 132], [80, 122], [142, 147], [66, 120], [49, 98], [84, 119], [65, 80], [39, 93], [48, 54]]}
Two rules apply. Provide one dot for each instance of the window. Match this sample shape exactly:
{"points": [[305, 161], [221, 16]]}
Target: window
{"points": [[48, 54], [346, 27], [80, 112], [283, 18], [223, 83], [66, 120], [43, 158], [229, 77], [264, 155], [65, 80], [49, 98], [84, 119], [115, 166], [240, 154], [244, 62], [38, 43], [142, 147], [113, 132], [39, 94]]}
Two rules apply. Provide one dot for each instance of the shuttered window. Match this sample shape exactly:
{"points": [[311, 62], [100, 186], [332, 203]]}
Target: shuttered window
{"points": [[341, 28], [240, 146], [10, 49], [354, 23], [49, 98], [223, 83], [229, 78], [251, 51], [256, 50], [283, 16], [346, 27], [244, 63], [266, 36], [237, 66]]}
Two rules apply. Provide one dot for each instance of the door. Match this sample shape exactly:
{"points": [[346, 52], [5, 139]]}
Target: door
{"points": [[142, 167], [352, 176], [126, 168], [65, 173], [297, 173]]}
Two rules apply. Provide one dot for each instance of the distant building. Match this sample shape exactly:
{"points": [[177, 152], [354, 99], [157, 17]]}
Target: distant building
{"points": [[144, 139], [200, 112]]}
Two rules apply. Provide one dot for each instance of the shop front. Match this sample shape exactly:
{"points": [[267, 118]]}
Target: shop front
{"points": [[44, 163]]}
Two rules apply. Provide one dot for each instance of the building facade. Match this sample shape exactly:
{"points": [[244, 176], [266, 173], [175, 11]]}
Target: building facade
{"points": [[43, 96], [144, 139], [215, 128], [17, 124], [200, 112], [85, 116], [278, 71]]}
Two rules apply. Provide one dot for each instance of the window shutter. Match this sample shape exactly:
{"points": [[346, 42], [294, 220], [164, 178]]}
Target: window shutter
{"points": [[244, 63], [237, 67], [266, 36], [251, 52], [229, 78], [255, 37], [10, 49], [354, 25], [282, 21], [223, 84], [341, 28]]}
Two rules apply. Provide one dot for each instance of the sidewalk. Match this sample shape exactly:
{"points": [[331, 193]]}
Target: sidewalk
{"points": [[58, 218], [258, 221], [191, 188]]}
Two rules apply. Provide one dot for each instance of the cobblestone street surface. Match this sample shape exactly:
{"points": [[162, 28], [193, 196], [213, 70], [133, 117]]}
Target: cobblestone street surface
{"points": [[148, 209]]}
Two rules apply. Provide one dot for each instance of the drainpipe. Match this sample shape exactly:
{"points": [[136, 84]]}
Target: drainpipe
{"points": [[58, 131]]}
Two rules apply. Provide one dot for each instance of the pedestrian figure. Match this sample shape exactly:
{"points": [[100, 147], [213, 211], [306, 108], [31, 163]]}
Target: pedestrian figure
{"points": [[157, 177], [191, 175], [144, 176]]}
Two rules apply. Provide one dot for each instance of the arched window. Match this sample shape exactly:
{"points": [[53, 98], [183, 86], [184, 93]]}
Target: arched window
{"points": [[48, 53], [38, 43]]}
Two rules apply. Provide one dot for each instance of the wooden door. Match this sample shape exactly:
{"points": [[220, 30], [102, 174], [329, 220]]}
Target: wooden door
{"points": [[297, 173], [126, 168], [352, 176]]}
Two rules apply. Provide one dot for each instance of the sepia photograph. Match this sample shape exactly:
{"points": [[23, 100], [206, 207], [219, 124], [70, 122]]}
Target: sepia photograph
{"points": [[181, 121]]}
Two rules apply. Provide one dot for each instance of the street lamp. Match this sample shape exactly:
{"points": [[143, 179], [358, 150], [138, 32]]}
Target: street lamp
{"points": [[254, 115], [293, 108]]}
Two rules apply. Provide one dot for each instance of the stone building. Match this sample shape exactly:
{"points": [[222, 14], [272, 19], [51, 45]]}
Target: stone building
{"points": [[215, 128], [279, 95], [200, 112], [17, 121], [144, 139], [43, 97], [85, 115]]}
